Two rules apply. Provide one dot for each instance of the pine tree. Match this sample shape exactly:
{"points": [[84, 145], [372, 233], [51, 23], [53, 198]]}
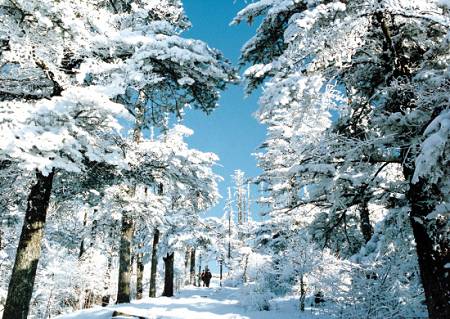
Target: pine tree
{"points": [[67, 99], [348, 106]]}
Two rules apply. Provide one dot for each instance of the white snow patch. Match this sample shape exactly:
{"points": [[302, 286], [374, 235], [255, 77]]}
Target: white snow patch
{"points": [[195, 303]]}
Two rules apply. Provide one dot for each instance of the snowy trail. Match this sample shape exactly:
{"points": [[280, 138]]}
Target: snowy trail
{"points": [[190, 303]]}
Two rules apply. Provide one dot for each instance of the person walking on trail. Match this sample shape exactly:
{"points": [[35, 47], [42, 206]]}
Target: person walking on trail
{"points": [[208, 277], [202, 277]]}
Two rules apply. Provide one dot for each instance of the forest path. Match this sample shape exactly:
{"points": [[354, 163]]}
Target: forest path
{"points": [[191, 303]]}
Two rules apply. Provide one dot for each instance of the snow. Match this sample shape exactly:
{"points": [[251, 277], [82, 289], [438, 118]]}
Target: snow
{"points": [[196, 303], [433, 148]]}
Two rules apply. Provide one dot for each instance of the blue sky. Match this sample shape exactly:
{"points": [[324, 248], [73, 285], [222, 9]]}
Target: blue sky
{"points": [[231, 131]]}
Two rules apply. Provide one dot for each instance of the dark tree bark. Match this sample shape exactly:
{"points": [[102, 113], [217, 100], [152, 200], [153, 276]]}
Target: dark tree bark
{"points": [[187, 257], [433, 252], [168, 275], [302, 293], [199, 276], [244, 275], [123, 292], [140, 273], [82, 248], [152, 292], [29, 249], [364, 224], [220, 271], [192, 270]]}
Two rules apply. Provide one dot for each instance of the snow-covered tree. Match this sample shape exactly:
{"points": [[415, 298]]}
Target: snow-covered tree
{"points": [[69, 71], [349, 106], [240, 193], [52, 135]]}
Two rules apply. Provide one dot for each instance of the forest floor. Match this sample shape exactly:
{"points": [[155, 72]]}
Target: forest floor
{"points": [[198, 303]]}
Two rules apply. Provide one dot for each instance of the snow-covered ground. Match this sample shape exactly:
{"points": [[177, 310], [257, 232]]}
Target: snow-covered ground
{"points": [[196, 303]]}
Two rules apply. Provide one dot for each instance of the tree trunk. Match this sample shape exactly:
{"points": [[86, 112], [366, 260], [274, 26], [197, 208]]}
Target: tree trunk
{"points": [[29, 249], [140, 273], [432, 252], [220, 271], [192, 270], [168, 275], [187, 257], [432, 242], [82, 248], [154, 267], [199, 270], [364, 224], [302, 293], [123, 291], [244, 275]]}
